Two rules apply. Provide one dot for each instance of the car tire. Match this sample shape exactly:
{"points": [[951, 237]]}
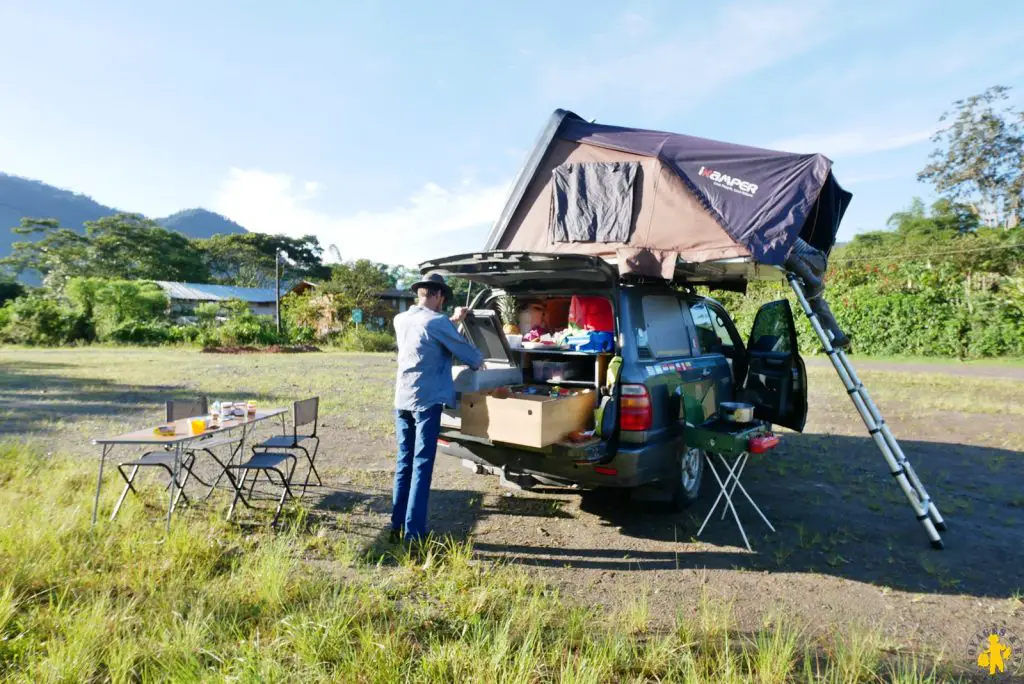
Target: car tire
{"points": [[688, 477]]}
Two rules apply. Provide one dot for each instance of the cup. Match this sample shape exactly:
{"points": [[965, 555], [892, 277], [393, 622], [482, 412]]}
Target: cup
{"points": [[250, 407], [198, 426]]}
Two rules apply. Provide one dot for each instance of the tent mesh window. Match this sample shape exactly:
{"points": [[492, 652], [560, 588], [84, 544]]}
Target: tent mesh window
{"points": [[593, 202]]}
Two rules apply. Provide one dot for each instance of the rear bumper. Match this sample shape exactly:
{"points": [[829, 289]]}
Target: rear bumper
{"points": [[632, 466]]}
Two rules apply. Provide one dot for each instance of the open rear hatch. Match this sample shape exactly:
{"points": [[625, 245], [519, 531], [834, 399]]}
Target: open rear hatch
{"points": [[525, 271]]}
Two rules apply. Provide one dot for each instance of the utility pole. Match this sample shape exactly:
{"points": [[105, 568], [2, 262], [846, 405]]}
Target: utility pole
{"points": [[277, 288]]}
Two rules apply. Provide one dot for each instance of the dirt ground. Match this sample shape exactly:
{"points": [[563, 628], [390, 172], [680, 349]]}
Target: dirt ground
{"points": [[847, 549]]}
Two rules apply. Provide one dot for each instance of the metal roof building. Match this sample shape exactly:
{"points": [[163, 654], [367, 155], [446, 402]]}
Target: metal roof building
{"points": [[202, 292]]}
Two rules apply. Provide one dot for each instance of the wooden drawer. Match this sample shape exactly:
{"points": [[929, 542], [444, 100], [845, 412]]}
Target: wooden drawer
{"points": [[526, 420]]}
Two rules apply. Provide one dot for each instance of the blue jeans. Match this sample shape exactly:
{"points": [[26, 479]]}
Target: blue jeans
{"points": [[417, 446]]}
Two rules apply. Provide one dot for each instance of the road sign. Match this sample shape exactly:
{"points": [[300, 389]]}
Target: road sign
{"points": [[357, 316]]}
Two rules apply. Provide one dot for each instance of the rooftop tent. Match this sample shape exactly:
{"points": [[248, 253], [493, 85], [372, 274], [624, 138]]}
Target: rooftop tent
{"points": [[663, 205]]}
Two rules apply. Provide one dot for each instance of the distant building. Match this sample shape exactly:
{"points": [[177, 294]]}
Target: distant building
{"points": [[185, 296], [398, 300], [261, 300]]}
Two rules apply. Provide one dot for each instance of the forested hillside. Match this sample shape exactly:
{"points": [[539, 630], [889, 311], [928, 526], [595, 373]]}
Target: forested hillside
{"points": [[22, 197]]}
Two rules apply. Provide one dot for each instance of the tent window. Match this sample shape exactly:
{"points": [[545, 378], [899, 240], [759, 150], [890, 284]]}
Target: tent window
{"points": [[593, 202]]}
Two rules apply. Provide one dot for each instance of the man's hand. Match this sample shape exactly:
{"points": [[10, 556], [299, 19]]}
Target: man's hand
{"points": [[460, 314]]}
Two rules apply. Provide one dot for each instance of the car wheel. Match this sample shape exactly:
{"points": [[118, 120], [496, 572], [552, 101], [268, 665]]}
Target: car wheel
{"points": [[689, 473]]}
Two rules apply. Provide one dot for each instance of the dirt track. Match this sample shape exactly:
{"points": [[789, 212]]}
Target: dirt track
{"points": [[847, 548]]}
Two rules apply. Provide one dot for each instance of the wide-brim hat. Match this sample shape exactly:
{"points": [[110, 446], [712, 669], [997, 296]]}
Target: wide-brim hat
{"points": [[434, 280]]}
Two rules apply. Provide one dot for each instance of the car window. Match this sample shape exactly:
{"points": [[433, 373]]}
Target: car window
{"points": [[772, 329], [663, 328], [711, 331]]}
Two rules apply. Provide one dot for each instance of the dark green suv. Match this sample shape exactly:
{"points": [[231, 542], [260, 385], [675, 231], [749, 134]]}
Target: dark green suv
{"points": [[681, 357]]}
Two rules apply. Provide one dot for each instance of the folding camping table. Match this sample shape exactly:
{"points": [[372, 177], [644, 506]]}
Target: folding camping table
{"points": [[728, 488], [730, 444], [182, 436]]}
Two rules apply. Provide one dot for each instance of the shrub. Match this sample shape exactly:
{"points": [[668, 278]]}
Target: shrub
{"points": [[140, 332], [301, 334], [36, 320], [362, 340]]}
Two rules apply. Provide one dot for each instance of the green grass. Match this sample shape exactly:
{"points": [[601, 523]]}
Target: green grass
{"points": [[211, 602], [928, 392], [939, 361]]}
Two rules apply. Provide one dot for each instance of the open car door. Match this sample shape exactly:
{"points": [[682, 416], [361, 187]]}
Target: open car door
{"points": [[776, 382]]}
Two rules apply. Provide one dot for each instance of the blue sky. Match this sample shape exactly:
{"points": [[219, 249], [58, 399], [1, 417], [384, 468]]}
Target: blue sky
{"points": [[394, 130]]}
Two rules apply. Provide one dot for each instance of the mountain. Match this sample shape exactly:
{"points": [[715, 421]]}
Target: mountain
{"points": [[200, 223], [23, 197], [20, 197]]}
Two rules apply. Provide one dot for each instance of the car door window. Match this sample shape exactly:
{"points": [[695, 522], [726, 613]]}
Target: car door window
{"points": [[714, 337], [771, 331]]}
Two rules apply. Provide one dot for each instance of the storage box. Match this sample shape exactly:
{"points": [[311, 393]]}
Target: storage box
{"points": [[526, 420]]}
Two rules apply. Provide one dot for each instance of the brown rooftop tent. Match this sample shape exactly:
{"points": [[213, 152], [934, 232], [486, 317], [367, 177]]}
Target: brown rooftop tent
{"points": [[667, 205]]}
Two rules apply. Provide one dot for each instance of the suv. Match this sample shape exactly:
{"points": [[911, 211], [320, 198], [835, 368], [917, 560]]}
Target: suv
{"points": [[681, 357]]}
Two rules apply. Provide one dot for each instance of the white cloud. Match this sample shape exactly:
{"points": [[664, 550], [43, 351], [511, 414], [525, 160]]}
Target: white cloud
{"points": [[853, 142], [275, 203], [696, 61]]}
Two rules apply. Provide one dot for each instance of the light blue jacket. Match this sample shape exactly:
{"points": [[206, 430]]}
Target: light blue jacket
{"points": [[427, 342]]}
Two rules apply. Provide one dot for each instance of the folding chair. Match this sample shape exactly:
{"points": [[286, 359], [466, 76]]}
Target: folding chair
{"points": [[304, 413], [728, 488], [265, 462], [176, 410]]}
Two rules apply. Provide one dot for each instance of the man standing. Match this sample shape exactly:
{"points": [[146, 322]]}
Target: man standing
{"points": [[427, 341]]}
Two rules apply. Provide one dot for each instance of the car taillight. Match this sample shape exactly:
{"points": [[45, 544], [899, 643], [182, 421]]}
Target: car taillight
{"points": [[635, 412], [759, 445]]}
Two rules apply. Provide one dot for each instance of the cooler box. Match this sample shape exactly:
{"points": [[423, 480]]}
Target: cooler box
{"points": [[526, 420], [483, 328]]}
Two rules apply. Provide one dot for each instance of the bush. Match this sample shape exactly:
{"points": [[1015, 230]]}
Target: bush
{"points": [[141, 332], [301, 334], [905, 309], [362, 340], [40, 321]]}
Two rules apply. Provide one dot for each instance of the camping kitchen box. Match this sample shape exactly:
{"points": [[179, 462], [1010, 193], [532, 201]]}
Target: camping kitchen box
{"points": [[515, 415]]}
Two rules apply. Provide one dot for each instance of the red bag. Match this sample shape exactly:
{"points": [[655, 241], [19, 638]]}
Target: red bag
{"points": [[592, 313]]}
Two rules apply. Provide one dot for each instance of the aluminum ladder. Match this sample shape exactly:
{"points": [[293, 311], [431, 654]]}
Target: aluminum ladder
{"points": [[899, 467]]}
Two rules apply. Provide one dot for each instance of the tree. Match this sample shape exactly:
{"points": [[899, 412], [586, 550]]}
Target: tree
{"points": [[945, 220], [59, 254], [133, 247], [123, 246], [247, 259], [357, 285], [980, 158]]}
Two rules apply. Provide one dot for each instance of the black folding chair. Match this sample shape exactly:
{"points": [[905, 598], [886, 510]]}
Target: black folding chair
{"points": [[305, 417], [305, 413], [176, 410]]}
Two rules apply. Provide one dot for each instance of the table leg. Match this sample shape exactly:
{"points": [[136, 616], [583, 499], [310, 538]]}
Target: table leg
{"points": [[99, 481], [736, 480], [728, 500], [236, 451], [174, 483]]}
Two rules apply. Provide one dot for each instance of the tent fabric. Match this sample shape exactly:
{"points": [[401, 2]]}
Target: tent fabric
{"points": [[593, 202], [693, 200]]}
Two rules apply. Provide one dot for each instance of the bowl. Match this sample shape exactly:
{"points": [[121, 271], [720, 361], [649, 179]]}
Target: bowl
{"points": [[736, 411]]}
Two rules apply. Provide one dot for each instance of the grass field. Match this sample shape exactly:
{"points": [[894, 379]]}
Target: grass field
{"points": [[324, 599]]}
